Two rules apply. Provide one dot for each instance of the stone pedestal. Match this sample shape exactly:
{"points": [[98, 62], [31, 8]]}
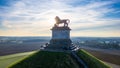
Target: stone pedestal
{"points": [[60, 38]]}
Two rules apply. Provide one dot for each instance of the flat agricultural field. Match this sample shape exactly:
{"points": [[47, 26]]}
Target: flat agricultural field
{"points": [[7, 60], [111, 58], [6, 49]]}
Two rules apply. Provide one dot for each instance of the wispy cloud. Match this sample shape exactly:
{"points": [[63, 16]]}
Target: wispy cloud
{"points": [[33, 17]]}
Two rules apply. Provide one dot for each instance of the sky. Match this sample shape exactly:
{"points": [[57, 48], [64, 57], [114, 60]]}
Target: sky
{"points": [[93, 18]]}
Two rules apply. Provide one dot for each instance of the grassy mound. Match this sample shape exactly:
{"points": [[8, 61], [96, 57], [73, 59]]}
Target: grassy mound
{"points": [[45, 59], [91, 61], [6, 60]]}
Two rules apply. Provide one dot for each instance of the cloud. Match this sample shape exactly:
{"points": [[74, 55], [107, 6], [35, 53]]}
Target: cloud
{"points": [[36, 16]]}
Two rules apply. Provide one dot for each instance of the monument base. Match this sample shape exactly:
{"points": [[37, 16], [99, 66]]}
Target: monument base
{"points": [[60, 44], [60, 38]]}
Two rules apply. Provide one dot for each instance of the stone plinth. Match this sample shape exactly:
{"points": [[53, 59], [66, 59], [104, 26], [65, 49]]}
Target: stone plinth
{"points": [[60, 33], [60, 38]]}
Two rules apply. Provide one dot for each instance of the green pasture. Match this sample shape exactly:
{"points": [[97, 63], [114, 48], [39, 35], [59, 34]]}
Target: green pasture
{"points": [[7, 60]]}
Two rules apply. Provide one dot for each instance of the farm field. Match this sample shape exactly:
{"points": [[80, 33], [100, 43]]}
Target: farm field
{"points": [[111, 59], [7, 60], [13, 48]]}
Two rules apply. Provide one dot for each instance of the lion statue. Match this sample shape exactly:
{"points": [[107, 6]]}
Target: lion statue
{"points": [[59, 21]]}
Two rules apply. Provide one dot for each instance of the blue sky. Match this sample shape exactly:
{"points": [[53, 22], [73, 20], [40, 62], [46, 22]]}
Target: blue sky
{"points": [[96, 18]]}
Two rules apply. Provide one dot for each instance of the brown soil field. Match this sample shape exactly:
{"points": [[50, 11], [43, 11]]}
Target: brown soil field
{"points": [[6, 49], [115, 59]]}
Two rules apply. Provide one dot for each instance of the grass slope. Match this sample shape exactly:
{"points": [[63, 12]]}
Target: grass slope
{"points": [[91, 61], [5, 61], [45, 59]]}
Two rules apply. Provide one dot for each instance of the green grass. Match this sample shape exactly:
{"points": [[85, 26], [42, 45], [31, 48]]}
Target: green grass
{"points": [[90, 60], [5, 61], [45, 59]]}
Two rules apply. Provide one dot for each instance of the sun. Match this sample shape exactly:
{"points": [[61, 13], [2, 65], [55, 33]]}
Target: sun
{"points": [[51, 22]]}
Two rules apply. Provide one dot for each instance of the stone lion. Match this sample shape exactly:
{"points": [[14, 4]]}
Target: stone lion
{"points": [[59, 21]]}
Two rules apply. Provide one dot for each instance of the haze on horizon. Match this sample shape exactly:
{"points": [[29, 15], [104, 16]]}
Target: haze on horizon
{"points": [[96, 18]]}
